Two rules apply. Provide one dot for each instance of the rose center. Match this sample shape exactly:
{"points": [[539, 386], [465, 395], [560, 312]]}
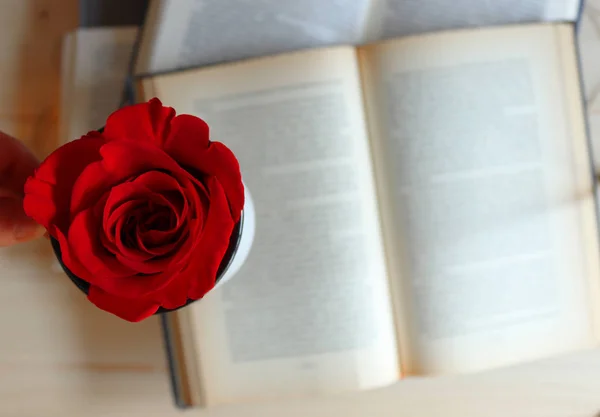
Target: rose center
{"points": [[128, 232], [151, 218], [163, 221]]}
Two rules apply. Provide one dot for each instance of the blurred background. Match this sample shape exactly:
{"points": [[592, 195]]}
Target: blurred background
{"points": [[59, 354]]}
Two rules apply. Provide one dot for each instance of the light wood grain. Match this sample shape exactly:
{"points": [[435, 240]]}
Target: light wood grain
{"points": [[60, 356], [30, 45], [56, 350], [561, 387]]}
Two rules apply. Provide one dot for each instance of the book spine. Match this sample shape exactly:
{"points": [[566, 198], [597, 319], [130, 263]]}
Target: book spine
{"points": [[588, 132], [578, 21], [172, 362]]}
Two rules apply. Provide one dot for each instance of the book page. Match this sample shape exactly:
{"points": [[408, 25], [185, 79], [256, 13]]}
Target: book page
{"points": [[588, 38], [189, 33], [483, 164], [94, 87], [309, 311], [393, 18]]}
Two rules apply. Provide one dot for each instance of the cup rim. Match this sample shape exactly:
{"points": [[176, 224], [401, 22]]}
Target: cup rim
{"points": [[234, 242]]}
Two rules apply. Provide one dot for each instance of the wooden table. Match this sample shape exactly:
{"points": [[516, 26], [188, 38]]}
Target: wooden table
{"points": [[56, 351], [60, 356]]}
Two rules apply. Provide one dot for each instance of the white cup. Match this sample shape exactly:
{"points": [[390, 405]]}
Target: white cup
{"points": [[246, 239]]}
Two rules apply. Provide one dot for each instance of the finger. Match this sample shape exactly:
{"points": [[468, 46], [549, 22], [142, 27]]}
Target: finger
{"points": [[16, 164], [15, 225]]}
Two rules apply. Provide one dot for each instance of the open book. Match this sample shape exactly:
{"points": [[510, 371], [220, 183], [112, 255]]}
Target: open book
{"points": [[187, 33], [424, 206]]}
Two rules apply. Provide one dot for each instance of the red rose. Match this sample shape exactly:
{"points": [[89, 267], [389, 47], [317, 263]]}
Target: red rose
{"points": [[143, 211]]}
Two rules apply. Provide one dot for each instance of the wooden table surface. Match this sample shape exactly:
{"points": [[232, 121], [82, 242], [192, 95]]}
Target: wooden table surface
{"points": [[60, 356], [56, 351]]}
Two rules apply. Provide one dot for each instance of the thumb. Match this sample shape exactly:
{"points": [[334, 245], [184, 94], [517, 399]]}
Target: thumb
{"points": [[15, 225]]}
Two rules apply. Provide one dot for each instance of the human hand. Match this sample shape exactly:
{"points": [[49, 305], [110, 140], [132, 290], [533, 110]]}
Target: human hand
{"points": [[16, 165]]}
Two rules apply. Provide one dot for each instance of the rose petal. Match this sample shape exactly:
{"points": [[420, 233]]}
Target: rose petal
{"points": [[148, 266], [117, 166], [210, 158], [71, 262], [133, 255], [39, 205], [48, 191], [119, 213], [180, 206], [148, 122], [162, 249], [160, 220], [133, 310], [85, 245], [140, 196], [154, 239], [171, 193], [105, 271], [190, 129], [212, 245], [137, 258], [175, 294]]}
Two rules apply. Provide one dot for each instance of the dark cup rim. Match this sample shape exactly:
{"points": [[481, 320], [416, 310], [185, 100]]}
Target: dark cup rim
{"points": [[234, 242]]}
